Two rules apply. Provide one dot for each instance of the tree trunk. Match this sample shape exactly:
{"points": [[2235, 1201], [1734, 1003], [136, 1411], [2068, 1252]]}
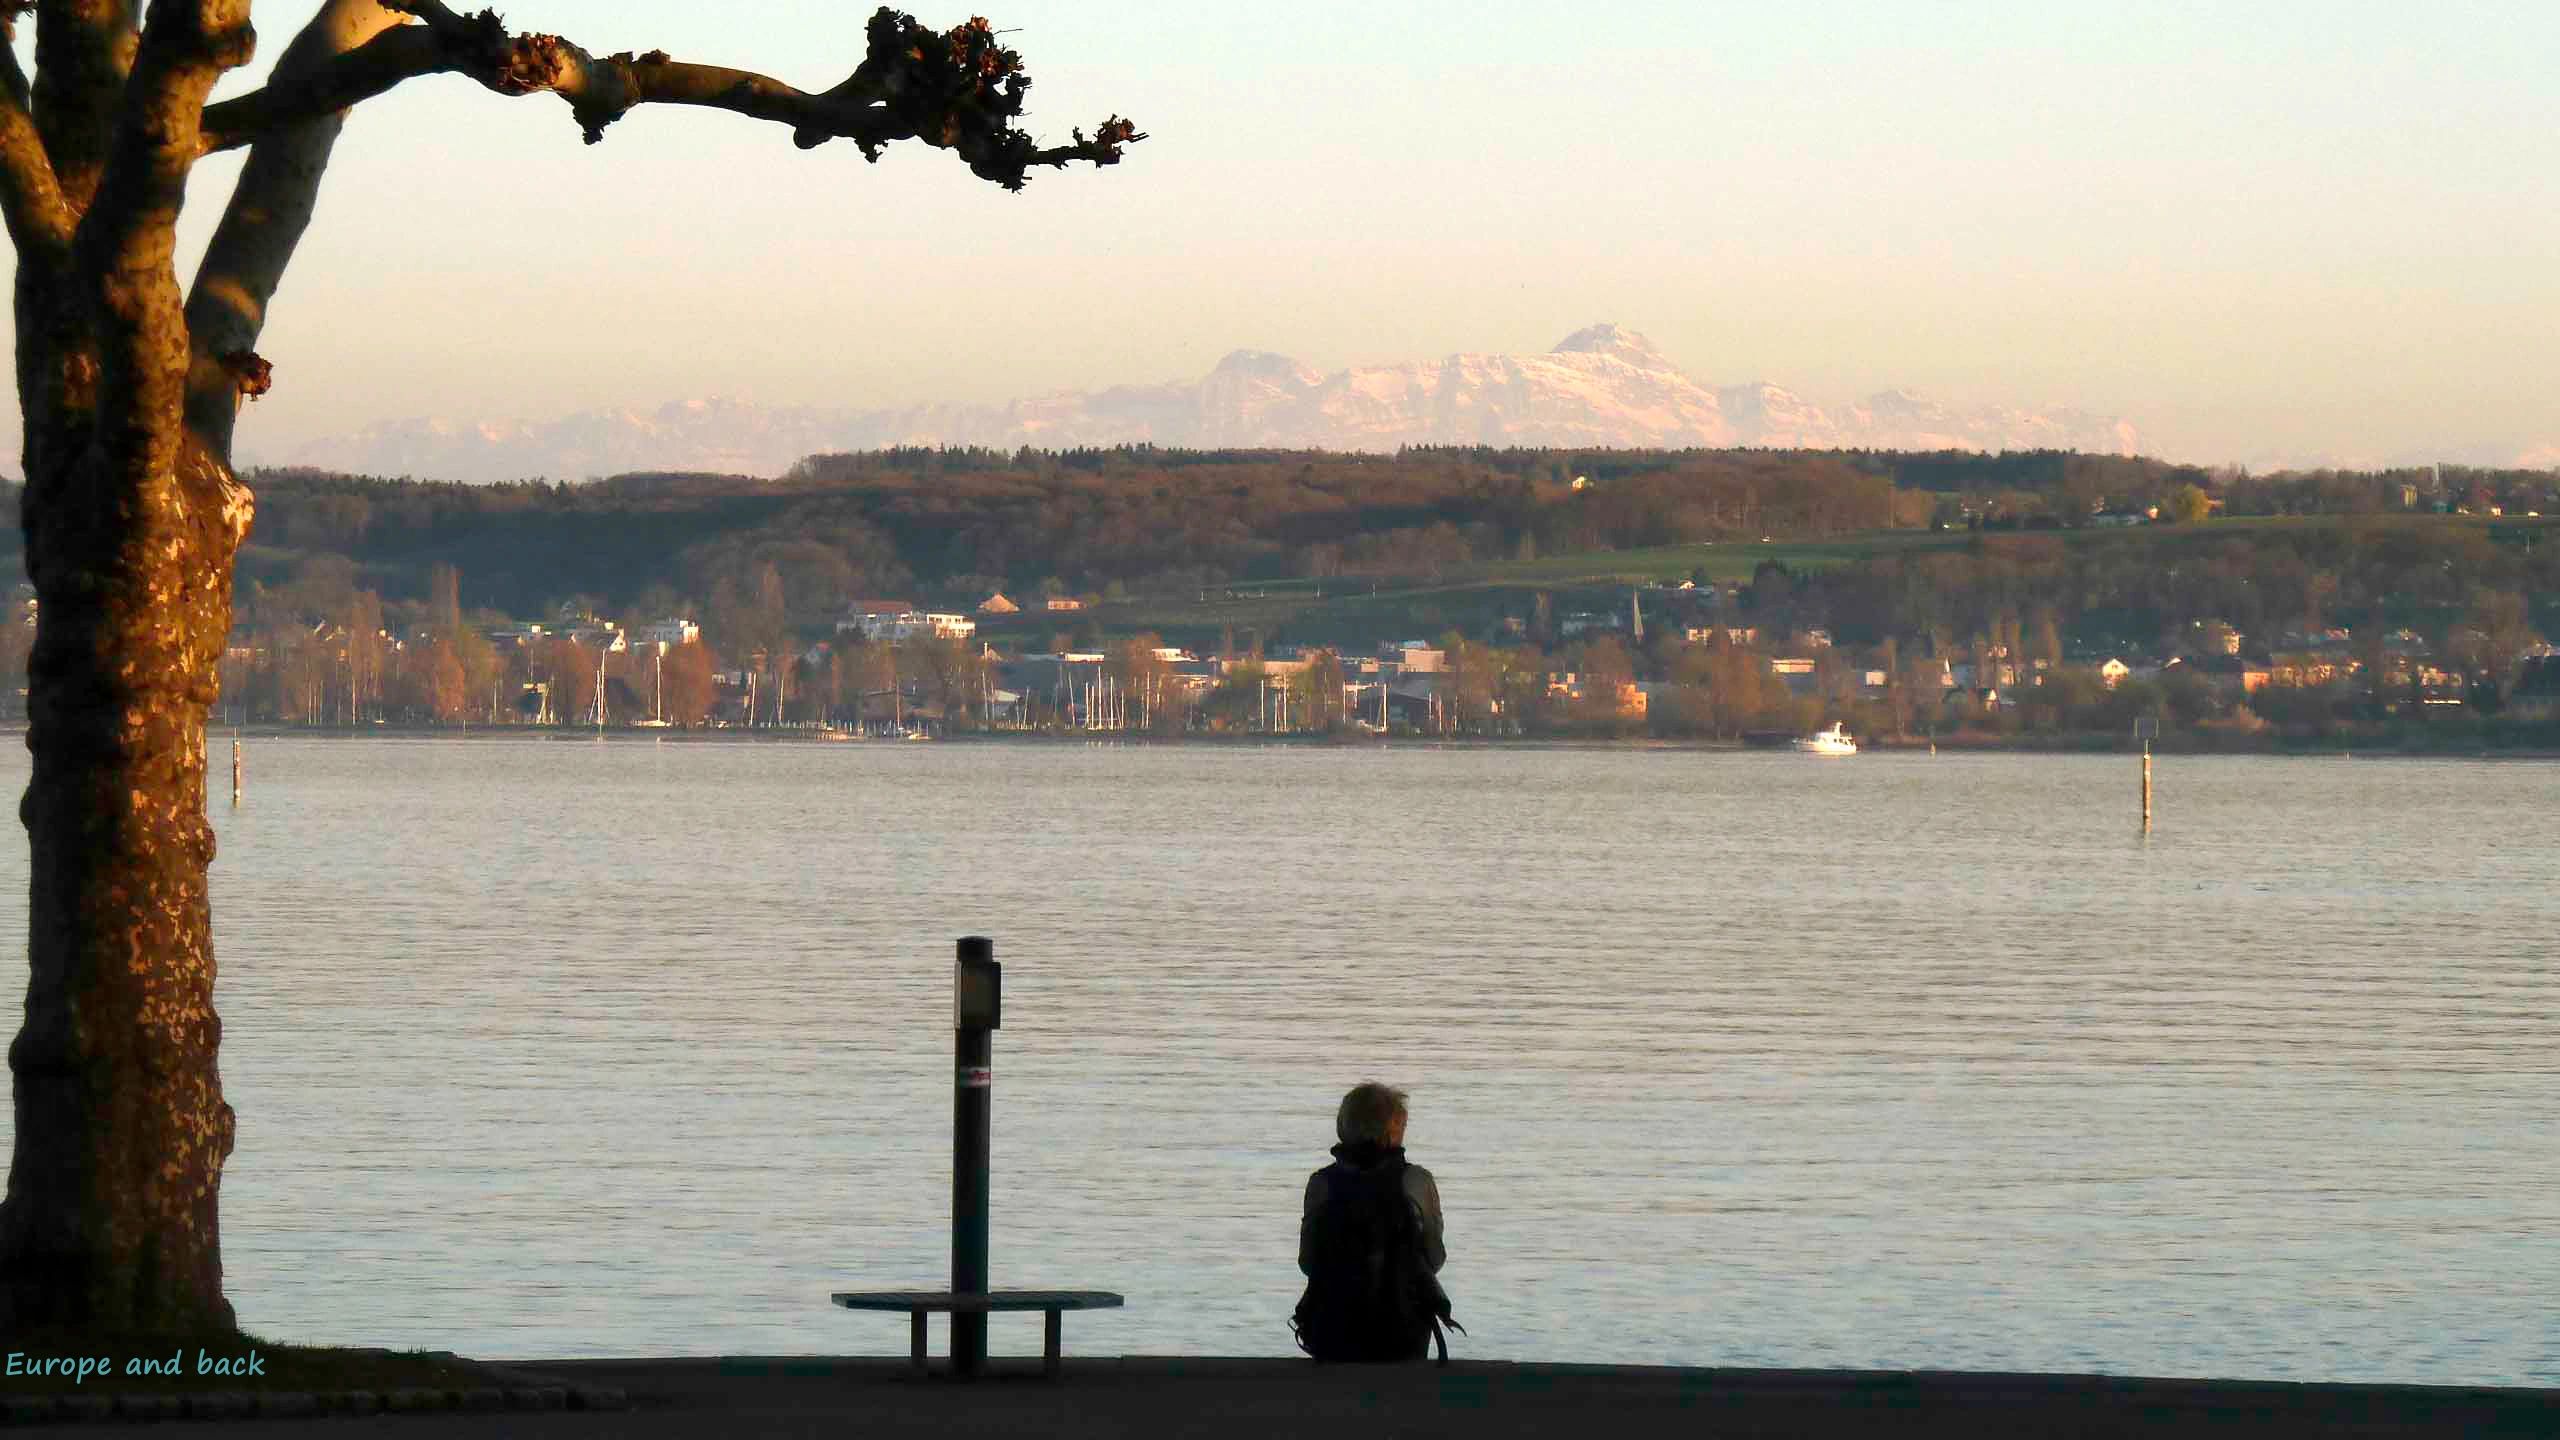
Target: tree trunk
{"points": [[111, 1221]]}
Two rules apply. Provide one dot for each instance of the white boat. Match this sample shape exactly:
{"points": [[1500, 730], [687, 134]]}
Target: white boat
{"points": [[1834, 741]]}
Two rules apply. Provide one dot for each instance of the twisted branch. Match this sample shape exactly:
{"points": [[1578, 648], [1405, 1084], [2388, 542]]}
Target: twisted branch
{"points": [[956, 90]]}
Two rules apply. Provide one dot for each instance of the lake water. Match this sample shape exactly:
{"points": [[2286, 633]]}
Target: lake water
{"points": [[557, 1048]]}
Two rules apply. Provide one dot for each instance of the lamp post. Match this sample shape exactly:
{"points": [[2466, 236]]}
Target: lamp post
{"points": [[977, 996]]}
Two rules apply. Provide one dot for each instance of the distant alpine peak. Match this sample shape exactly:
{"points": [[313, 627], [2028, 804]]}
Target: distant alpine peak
{"points": [[1607, 339], [1604, 386], [1265, 364]]}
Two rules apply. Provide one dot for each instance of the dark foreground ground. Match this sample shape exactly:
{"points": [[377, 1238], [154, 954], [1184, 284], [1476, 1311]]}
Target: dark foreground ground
{"points": [[1249, 1399]]}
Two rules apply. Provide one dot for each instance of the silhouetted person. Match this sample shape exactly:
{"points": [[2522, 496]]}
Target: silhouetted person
{"points": [[1370, 1242]]}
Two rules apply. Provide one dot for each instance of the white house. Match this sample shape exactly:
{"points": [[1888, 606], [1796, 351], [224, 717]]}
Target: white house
{"points": [[917, 624], [670, 632], [867, 615], [896, 620]]}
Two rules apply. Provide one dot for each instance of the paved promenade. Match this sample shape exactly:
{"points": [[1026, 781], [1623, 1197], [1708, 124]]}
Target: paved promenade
{"points": [[1250, 1399]]}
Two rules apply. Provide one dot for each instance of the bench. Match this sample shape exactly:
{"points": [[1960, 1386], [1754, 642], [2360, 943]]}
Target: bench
{"points": [[920, 1303]]}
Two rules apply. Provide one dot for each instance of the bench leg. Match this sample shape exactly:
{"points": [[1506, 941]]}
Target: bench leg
{"points": [[1049, 1344], [915, 1340]]}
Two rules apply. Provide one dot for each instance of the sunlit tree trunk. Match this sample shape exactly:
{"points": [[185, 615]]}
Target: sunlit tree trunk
{"points": [[132, 518], [110, 1222]]}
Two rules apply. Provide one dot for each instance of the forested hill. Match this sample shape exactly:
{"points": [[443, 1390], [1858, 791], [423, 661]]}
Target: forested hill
{"points": [[950, 526], [955, 525]]}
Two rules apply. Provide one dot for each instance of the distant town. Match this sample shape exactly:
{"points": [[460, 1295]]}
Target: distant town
{"points": [[1730, 597], [1673, 661]]}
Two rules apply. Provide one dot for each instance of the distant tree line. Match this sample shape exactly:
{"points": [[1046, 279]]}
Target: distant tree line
{"points": [[949, 523], [355, 587]]}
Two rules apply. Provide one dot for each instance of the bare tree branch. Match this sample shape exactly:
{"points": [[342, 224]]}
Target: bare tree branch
{"points": [[30, 197], [328, 87], [271, 206], [84, 51], [12, 79], [31, 203], [957, 90]]}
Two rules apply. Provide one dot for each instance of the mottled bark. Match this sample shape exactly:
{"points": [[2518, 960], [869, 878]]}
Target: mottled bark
{"points": [[84, 51], [111, 1221]]}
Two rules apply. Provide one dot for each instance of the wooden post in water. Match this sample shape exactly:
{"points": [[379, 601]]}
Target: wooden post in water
{"points": [[2143, 730], [235, 770]]}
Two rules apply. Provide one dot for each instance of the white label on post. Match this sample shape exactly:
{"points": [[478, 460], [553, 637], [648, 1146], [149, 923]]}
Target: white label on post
{"points": [[977, 1077]]}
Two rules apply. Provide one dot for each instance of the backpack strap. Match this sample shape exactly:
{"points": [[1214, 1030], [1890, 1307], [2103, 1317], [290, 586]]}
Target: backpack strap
{"points": [[1441, 1324]]}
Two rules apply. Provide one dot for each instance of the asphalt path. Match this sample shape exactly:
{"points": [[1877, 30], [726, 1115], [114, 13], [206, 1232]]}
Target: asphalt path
{"points": [[1248, 1399]]}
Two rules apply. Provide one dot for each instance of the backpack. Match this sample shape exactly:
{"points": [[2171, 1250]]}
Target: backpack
{"points": [[1372, 1296]]}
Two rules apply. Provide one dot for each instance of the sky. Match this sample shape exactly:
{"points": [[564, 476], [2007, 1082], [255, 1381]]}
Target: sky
{"points": [[2288, 229]]}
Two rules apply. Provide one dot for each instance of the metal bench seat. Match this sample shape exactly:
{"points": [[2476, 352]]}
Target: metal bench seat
{"points": [[920, 1303]]}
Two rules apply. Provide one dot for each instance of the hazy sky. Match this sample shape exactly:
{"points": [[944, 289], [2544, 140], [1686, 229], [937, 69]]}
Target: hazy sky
{"points": [[2256, 227]]}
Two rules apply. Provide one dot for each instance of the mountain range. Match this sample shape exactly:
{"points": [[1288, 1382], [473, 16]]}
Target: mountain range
{"points": [[1600, 387]]}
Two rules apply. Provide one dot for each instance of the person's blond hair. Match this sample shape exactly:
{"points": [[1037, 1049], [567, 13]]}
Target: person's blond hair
{"points": [[1367, 1112]]}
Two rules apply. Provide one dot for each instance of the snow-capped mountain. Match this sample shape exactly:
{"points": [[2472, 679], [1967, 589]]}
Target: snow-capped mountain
{"points": [[726, 436], [1602, 386]]}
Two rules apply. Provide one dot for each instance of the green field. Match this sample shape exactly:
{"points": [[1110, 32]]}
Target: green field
{"points": [[1358, 610]]}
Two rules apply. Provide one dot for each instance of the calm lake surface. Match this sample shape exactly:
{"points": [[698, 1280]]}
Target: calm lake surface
{"points": [[558, 1048]]}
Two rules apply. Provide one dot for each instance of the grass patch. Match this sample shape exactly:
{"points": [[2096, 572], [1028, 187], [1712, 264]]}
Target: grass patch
{"points": [[1471, 596], [1722, 560]]}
